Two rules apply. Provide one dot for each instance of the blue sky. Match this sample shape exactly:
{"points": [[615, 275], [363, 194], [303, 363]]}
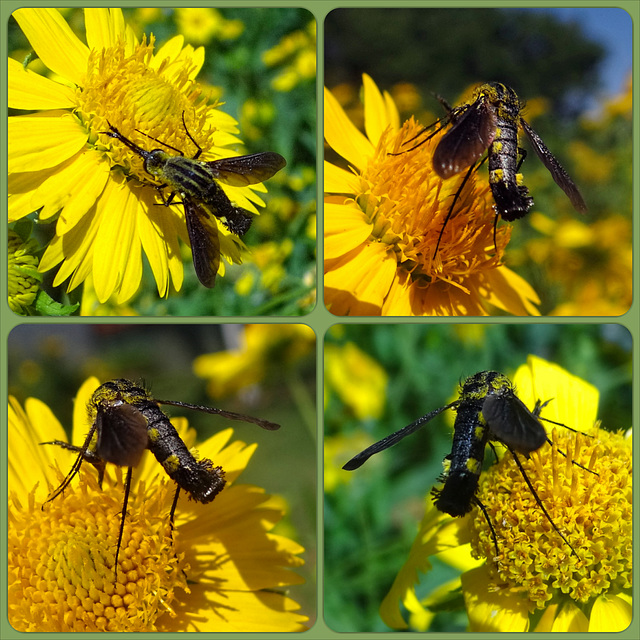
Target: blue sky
{"points": [[613, 29]]}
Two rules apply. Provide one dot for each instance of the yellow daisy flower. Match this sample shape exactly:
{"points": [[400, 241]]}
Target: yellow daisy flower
{"points": [[535, 582], [383, 218], [221, 569], [62, 162]]}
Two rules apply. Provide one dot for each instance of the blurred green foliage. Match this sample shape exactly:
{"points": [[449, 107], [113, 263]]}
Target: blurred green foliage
{"points": [[372, 514]]}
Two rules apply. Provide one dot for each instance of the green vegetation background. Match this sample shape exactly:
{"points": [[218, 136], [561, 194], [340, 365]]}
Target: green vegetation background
{"points": [[372, 514]]}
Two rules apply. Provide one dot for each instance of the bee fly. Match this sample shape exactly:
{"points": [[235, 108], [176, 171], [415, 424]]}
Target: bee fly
{"points": [[197, 183], [126, 420], [490, 122], [488, 410]]}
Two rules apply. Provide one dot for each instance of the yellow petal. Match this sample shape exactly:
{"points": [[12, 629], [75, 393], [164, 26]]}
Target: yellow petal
{"points": [[343, 136], [337, 180], [117, 233], [345, 229], [29, 90], [376, 116], [104, 27], [54, 42], [44, 140]]}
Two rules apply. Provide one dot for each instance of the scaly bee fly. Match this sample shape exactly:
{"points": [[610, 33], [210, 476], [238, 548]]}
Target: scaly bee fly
{"points": [[196, 181], [490, 122], [125, 421], [488, 410]]}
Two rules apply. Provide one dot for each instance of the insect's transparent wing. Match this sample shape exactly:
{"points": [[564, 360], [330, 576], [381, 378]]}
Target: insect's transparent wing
{"points": [[245, 170], [560, 176], [512, 423], [466, 141], [205, 243], [359, 459]]}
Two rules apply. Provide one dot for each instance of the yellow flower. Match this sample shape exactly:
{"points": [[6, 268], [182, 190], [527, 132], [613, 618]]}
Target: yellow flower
{"points": [[337, 449], [201, 25], [536, 582], [222, 568], [296, 55], [384, 217], [261, 347], [357, 378], [61, 161]]}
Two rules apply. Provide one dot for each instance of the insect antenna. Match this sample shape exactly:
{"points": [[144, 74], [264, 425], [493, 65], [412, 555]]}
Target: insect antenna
{"points": [[164, 144]]}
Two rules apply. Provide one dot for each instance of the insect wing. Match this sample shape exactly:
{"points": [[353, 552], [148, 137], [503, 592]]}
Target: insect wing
{"points": [[245, 170], [512, 423], [466, 141], [358, 460], [122, 435], [560, 176], [265, 424], [205, 243]]}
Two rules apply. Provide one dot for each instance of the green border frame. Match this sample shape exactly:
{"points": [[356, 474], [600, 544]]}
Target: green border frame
{"points": [[319, 319]]}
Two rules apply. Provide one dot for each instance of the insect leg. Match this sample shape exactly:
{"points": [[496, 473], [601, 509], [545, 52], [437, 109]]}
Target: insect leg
{"points": [[123, 515], [453, 204], [89, 456], [488, 519], [199, 151], [172, 513], [523, 154], [536, 412], [537, 499], [76, 465]]}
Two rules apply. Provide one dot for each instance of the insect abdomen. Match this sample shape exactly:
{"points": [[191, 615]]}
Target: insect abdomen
{"points": [[199, 478], [470, 437], [512, 199], [465, 461]]}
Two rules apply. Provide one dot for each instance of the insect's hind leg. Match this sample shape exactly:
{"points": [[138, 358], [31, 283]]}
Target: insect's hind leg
{"points": [[453, 204]]}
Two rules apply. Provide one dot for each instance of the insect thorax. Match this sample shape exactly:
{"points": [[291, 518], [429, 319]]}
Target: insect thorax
{"points": [[187, 176], [123, 411]]}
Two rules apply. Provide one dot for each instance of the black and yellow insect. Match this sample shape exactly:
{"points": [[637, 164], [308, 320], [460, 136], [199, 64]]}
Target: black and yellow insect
{"points": [[125, 421], [488, 410], [196, 181], [490, 122]]}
